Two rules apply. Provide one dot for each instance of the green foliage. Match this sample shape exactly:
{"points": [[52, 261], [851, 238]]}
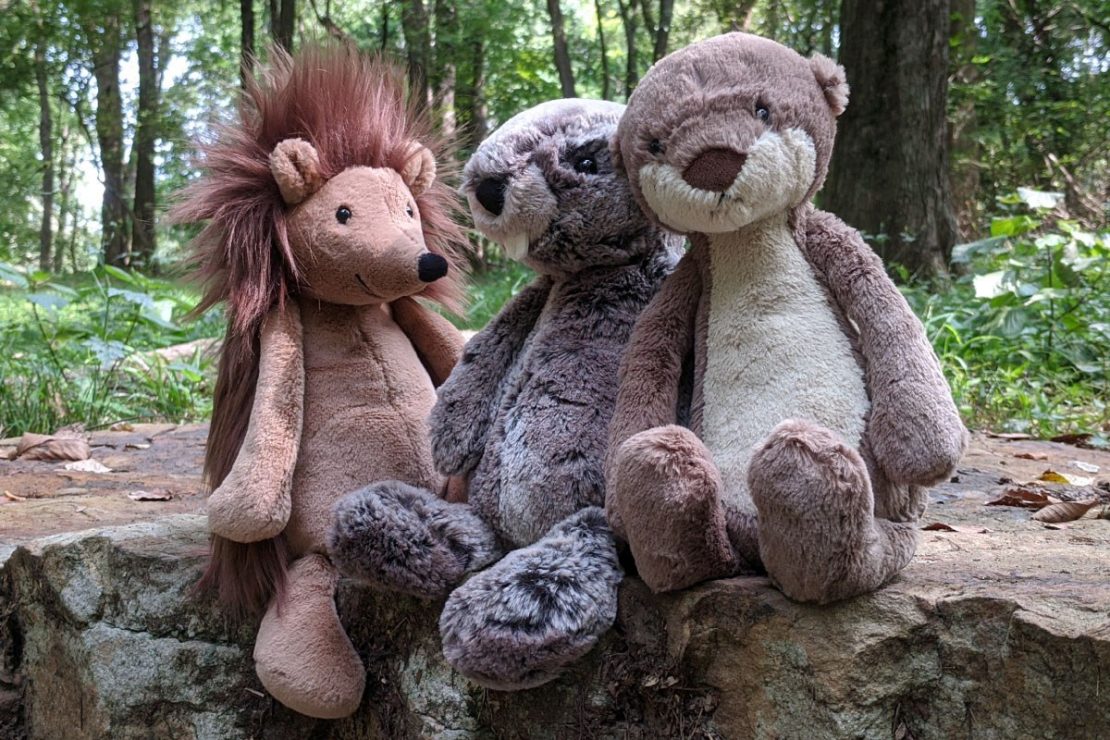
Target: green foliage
{"points": [[490, 290], [1024, 332], [82, 351]]}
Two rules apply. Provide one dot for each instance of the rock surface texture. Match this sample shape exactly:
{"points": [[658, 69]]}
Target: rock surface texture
{"points": [[1003, 633]]}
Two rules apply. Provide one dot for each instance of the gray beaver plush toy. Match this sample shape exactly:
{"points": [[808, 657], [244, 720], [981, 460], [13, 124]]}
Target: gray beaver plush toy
{"points": [[524, 415], [780, 406]]}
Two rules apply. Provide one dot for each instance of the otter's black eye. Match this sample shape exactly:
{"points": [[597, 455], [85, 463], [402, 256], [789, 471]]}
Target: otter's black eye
{"points": [[763, 114], [586, 164], [343, 215], [409, 212], [655, 146]]}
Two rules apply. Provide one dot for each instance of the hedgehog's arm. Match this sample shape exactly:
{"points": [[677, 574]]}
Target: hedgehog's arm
{"points": [[461, 418], [254, 500], [436, 340], [651, 369], [914, 429]]}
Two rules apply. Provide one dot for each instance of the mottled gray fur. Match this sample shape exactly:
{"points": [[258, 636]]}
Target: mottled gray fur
{"points": [[524, 415]]}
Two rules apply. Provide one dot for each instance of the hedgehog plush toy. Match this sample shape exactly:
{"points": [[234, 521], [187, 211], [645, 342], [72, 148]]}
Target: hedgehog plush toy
{"points": [[524, 415], [816, 411]]}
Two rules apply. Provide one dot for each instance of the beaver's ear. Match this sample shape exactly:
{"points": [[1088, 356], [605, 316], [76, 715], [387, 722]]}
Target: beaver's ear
{"points": [[296, 168], [830, 76], [420, 169]]}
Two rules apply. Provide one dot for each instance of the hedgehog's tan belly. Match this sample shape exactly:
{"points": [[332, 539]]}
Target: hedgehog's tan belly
{"points": [[775, 351], [365, 420]]}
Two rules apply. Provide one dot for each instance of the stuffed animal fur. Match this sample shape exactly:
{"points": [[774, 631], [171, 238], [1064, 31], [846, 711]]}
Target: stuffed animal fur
{"points": [[524, 416], [780, 406], [324, 220]]}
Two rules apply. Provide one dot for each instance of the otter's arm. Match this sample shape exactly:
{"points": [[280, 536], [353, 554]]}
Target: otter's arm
{"points": [[651, 368], [253, 501], [460, 420], [436, 340], [915, 430]]}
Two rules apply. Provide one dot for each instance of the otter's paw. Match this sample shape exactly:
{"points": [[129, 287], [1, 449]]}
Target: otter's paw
{"points": [[401, 538], [518, 624], [816, 524]]}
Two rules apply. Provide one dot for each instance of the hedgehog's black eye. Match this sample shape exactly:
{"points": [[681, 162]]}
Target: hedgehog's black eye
{"points": [[762, 113], [343, 215], [586, 164], [655, 146], [408, 211]]}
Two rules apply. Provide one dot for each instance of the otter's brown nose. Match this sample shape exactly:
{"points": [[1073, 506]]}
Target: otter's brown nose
{"points": [[715, 169]]}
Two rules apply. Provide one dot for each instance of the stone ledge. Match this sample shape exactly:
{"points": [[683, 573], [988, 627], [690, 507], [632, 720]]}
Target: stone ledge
{"points": [[1000, 635]]}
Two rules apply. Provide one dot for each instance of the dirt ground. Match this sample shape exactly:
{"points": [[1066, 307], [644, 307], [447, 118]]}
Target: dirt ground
{"points": [[164, 461]]}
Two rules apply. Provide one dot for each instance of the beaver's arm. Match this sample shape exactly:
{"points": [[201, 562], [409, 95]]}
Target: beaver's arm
{"points": [[436, 340], [253, 502], [651, 369], [461, 419], [914, 430]]}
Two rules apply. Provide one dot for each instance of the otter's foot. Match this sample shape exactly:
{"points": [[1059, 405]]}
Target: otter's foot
{"points": [[667, 499], [398, 537], [302, 653], [519, 623], [818, 536]]}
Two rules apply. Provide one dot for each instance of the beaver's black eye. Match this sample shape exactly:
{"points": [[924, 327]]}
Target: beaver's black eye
{"points": [[763, 114], [586, 164], [343, 215], [655, 146], [409, 212]]}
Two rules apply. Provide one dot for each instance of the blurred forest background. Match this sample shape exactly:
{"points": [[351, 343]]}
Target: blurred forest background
{"points": [[974, 156]]}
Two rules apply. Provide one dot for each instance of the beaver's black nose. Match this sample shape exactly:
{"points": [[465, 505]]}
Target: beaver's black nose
{"points": [[431, 267], [491, 194]]}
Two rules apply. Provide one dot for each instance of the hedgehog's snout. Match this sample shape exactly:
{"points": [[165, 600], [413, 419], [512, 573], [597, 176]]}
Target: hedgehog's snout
{"points": [[491, 194]]}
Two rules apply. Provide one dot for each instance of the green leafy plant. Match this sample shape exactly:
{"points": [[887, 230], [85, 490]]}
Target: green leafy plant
{"points": [[1024, 331]]}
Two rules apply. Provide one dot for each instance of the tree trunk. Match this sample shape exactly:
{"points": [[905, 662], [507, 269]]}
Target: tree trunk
{"points": [[385, 28], [246, 40], [418, 43], [46, 144], [470, 91], [146, 134], [735, 15], [446, 67], [663, 30], [604, 51], [631, 71], [109, 137], [889, 172], [65, 200], [562, 54], [962, 146], [283, 22]]}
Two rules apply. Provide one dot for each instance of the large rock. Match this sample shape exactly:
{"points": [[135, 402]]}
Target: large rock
{"points": [[996, 634]]}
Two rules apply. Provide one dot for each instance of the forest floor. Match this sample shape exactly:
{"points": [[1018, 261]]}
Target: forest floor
{"points": [[155, 471]]}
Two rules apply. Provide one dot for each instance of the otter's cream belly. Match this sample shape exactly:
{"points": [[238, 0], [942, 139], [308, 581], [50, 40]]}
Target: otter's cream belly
{"points": [[775, 351]]}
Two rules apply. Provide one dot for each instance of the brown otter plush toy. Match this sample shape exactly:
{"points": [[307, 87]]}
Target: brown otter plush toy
{"points": [[325, 219], [780, 407]]}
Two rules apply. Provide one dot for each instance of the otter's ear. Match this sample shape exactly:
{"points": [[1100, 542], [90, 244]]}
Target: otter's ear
{"points": [[296, 168], [420, 169], [615, 154], [830, 76]]}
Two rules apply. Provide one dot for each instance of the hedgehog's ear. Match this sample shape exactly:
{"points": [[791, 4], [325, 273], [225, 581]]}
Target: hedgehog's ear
{"points": [[420, 169], [830, 76], [296, 168]]}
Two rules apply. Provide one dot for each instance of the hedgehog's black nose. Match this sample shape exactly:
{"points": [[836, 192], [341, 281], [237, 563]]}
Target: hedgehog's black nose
{"points": [[491, 194], [431, 267]]}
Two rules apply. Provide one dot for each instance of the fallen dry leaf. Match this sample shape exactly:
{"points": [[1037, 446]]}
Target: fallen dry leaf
{"points": [[155, 495], [1086, 467], [1052, 476], [1065, 511], [64, 445], [1072, 439], [1009, 436], [88, 466], [12, 497], [122, 426], [943, 527], [1031, 455], [1026, 496], [1047, 525], [137, 446]]}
